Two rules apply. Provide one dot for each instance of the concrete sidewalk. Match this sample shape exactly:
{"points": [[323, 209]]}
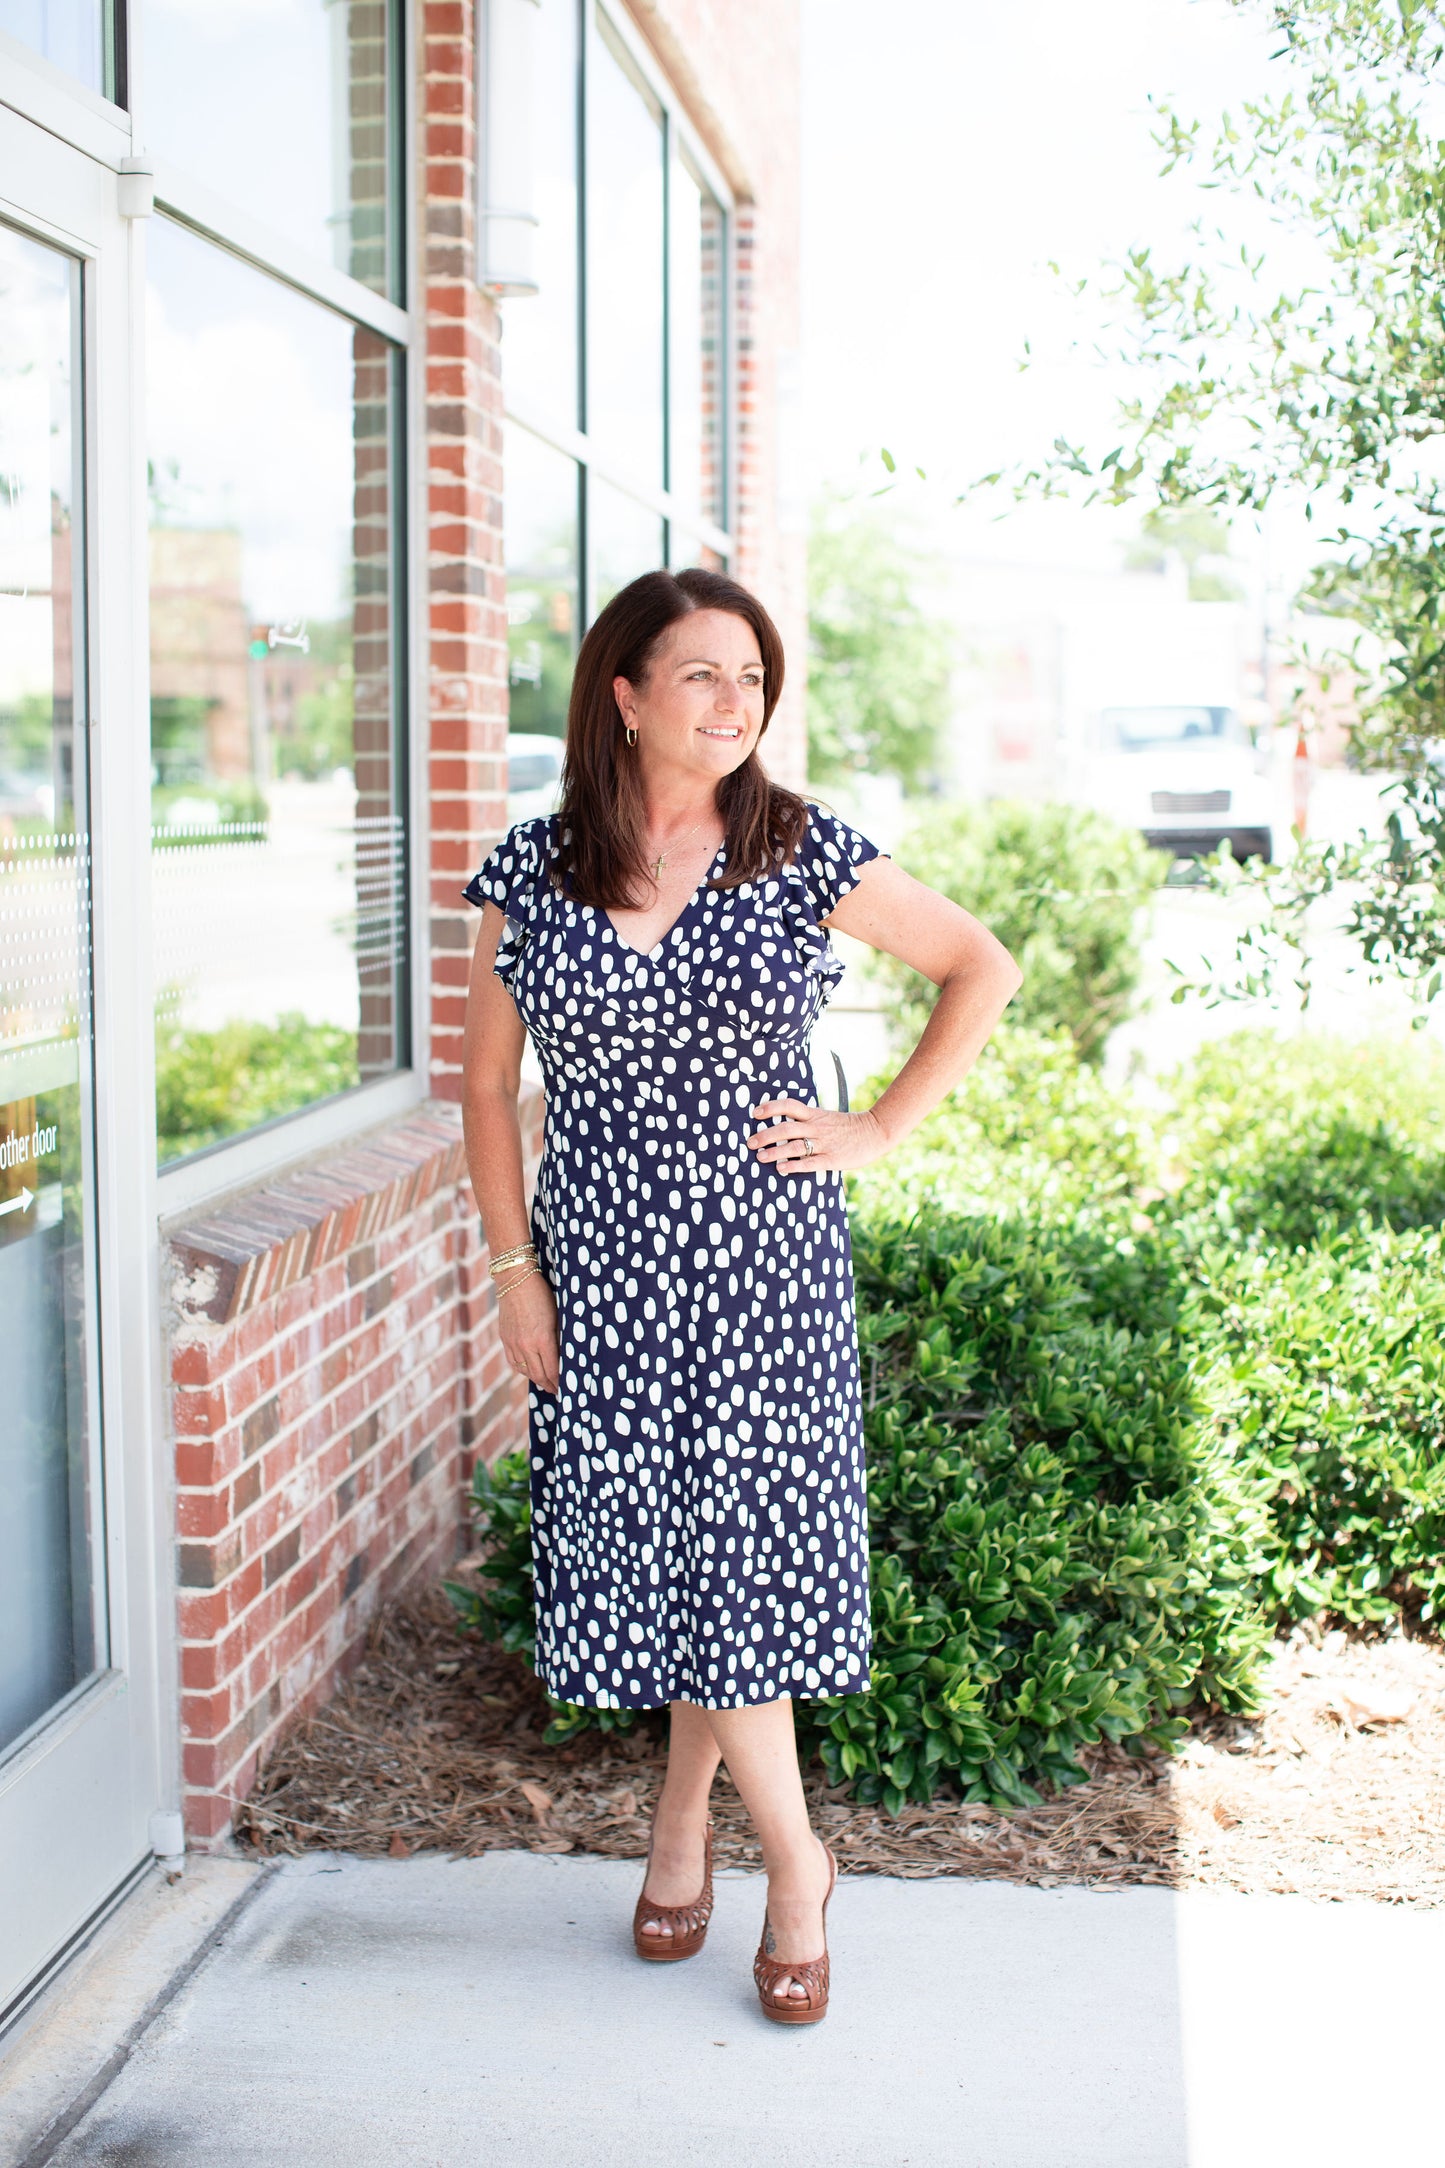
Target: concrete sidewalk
{"points": [[432, 2014]]}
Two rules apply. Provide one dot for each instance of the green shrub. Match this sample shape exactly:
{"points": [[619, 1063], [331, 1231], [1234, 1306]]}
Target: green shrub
{"points": [[1064, 888], [1062, 1547], [500, 1607], [1298, 1139], [213, 1084], [1337, 1357], [1032, 1129], [1290, 1141], [1306, 1193]]}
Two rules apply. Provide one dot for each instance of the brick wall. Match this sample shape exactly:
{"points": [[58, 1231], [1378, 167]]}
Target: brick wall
{"points": [[335, 1374]]}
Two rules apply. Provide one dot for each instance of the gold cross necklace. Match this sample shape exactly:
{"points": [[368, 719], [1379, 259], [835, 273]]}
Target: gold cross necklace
{"points": [[661, 859]]}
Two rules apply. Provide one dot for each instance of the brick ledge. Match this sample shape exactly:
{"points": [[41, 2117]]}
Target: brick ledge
{"points": [[231, 1259]]}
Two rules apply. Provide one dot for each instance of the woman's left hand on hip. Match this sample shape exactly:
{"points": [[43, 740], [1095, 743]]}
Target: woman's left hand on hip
{"points": [[839, 1142]]}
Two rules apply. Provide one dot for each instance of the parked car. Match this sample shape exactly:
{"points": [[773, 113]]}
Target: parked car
{"points": [[1188, 777], [534, 774], [26, 797]]}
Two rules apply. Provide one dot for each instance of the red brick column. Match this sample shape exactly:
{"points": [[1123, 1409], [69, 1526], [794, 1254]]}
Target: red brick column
{"points": [[468, 704], [769, 560]]}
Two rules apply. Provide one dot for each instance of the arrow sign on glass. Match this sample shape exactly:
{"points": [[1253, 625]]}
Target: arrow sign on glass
{"points": [[22, 1203]]}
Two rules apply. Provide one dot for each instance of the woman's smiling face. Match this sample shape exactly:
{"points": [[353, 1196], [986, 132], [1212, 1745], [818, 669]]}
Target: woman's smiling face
{"points": [[701, 707]]}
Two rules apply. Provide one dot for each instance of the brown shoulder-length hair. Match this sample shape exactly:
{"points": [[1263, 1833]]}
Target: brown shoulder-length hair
{"points": [[600, 856]]}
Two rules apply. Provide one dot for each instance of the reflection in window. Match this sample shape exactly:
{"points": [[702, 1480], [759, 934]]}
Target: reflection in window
{"points": [[276, 778], [625, 246], [539, 507], [540, 330], [49, 1560], [642, 399], [626, 540], [685, 549], [695, 386], [282, 106], [70, 34]]}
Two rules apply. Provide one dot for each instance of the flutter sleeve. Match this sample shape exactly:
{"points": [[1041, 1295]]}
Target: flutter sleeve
{"points": [[830, 858], [509, 878], [820, 873]]}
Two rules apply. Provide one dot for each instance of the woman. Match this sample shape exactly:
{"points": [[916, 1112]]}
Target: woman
{"points": [[682, 1302]]}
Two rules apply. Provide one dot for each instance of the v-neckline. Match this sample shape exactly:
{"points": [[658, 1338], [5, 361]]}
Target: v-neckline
{"points": [[646, 955]]}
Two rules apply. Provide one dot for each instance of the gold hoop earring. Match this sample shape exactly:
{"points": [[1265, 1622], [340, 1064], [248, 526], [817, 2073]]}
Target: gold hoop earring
{"points": [[629, 733]]}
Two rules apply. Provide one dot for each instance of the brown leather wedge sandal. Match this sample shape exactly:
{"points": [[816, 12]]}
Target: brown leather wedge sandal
{"points": [[688, 1922], [811, 2007]]}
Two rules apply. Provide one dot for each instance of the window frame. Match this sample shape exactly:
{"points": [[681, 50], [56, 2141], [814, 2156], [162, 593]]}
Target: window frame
{"points": [[561, 433], [83, 119], [255, 1155]]}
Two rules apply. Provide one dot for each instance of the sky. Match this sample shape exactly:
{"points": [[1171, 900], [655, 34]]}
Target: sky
{"points": [[947, 158]]}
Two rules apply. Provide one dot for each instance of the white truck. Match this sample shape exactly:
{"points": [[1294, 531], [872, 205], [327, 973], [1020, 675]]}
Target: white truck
{"points": [[1187, 776]]}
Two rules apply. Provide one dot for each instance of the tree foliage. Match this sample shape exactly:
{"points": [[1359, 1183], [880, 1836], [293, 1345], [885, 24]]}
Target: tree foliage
{"points": [[879, 661], [1199, 538], [1330, 384]]}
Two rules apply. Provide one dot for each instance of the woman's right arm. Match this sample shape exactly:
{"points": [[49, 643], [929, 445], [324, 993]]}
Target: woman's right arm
{"points": [[491, 1080]]}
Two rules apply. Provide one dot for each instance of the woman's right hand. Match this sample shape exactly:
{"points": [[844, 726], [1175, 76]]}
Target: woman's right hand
{"points": [[529, 1330]]}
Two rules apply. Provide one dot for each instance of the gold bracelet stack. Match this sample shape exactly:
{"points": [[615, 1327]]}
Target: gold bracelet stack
{"points": [[514, 1266]]}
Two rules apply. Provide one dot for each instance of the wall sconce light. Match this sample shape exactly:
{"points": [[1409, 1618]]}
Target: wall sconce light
{"points": [[506, 221]]}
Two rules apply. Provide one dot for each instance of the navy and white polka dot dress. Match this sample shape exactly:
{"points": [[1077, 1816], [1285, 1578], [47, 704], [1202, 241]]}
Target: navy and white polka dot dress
{"points": [[699, 1519]]}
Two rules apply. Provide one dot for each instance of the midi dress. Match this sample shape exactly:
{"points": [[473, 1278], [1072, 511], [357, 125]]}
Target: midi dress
{"points": [[699, 1517]]}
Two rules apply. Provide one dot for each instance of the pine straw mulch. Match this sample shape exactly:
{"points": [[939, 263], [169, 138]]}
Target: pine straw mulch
{"points": [[1338, 1790]]}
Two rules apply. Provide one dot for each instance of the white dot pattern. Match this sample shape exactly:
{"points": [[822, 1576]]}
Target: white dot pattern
{"points": [[699, 1521]]}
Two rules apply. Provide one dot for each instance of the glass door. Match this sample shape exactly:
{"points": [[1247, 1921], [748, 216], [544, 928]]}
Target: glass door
{"points": [[80, 1774], [52, 1613]]}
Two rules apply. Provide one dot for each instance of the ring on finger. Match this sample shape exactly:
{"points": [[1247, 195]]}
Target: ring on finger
{"points": [[809, 1147]]}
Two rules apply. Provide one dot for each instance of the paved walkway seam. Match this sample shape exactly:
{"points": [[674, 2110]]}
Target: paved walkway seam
{"points": [[50, 2143]]}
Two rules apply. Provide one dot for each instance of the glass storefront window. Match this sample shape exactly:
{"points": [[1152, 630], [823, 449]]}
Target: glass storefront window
{"points": [[71, 34], [696, 234], [278, 849], [626, 540], [625, 206], [636, 409], [540, 331], [283, 107], [50, 1528], [539, 508], [688, 549]]}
